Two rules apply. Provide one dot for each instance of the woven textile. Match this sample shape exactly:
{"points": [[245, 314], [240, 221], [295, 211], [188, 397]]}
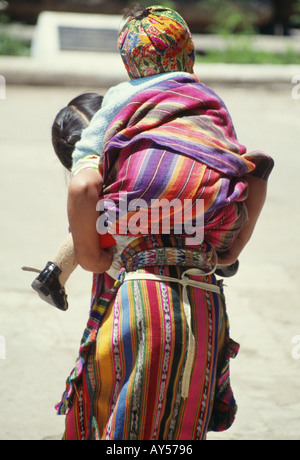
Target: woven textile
{"points": [[176, 141], [130, 386], [155, 42]]}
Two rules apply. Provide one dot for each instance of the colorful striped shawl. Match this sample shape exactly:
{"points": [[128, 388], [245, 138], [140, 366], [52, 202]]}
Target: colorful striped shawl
{"points": [[176, 140]]}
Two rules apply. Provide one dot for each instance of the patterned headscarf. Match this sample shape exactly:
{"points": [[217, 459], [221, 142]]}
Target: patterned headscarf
{"points": [[154, 41]]}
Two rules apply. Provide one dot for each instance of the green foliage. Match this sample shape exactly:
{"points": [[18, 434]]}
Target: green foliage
{"points": [[229, 17], [166, 3], [4, 19], [243, 53], [11, 46], [295, 18], [233, 20]]}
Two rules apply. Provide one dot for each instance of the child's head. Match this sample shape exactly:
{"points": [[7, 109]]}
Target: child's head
{"points": [[70, 122], [155, 40]]}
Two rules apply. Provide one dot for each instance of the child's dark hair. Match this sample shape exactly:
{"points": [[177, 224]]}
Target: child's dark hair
{"points": [[70, 122]]}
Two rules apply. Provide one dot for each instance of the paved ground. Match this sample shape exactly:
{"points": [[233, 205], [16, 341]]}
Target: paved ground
{"points": [[263, 299]]}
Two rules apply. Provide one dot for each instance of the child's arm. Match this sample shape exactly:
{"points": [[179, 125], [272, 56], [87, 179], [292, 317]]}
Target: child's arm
{"points": [[83, 195], [257, 191]]}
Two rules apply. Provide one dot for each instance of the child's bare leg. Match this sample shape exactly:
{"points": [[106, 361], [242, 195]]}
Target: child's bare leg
{"points": [[65, 259]]}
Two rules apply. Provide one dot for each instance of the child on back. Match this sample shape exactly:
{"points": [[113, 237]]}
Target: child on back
{"points": [[66, 132], [157, 48]]}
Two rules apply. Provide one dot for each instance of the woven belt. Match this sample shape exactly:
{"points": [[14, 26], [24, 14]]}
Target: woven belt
{"points": [[184, 281]]}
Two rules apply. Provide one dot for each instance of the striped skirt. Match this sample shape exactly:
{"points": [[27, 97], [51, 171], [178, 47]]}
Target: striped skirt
{"points": [[138, 379]]}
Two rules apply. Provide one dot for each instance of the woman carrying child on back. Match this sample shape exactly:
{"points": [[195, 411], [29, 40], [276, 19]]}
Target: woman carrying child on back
{"points": [[154, 358]]}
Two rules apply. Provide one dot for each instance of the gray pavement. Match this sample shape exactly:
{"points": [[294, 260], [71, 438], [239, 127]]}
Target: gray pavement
{"points": [[263, 299]]}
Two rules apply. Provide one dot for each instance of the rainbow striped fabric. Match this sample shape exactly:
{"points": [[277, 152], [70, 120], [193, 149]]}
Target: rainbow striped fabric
{"points": [[128, 384], [174, 140]]}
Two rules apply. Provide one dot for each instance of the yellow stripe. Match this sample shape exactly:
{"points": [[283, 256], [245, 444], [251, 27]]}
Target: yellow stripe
{"points": [[104, 370]]}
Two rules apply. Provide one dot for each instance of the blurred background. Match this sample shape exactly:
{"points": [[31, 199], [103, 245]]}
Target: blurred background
{"points": [[205, 17], [249, 53], [269, 16]]}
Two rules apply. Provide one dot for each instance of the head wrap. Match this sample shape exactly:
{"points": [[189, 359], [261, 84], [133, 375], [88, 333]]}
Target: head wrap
{"points": [[154, 41]]}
